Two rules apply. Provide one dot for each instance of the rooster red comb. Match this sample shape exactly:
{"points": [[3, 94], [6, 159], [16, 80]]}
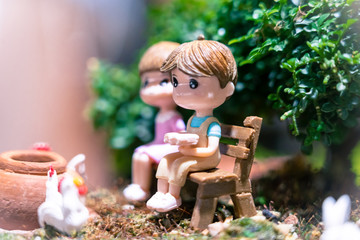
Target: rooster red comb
{"points": [[51, 171]]}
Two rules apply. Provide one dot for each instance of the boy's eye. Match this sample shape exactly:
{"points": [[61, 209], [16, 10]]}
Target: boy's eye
{"points": [[164, 82], [175, 82], [193, 83], [146, 83]]}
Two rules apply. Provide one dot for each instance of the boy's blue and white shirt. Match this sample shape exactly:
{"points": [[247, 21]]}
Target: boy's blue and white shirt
{"points": [[214, 127]]}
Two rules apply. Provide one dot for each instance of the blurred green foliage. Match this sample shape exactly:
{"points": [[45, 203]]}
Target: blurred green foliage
{"points": [[355, 157], [118, 108], [299, 60], [182, 20], [119, 111]]}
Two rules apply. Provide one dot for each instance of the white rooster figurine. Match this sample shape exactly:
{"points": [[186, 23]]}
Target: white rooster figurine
{"points": [[64, 210], [336, 215]]}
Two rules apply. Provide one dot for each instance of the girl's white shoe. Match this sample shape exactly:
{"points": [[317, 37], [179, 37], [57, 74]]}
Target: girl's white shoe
{"points": [[134, 192], [155, 201]]}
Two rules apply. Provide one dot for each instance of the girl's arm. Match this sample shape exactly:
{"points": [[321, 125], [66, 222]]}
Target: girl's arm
{"points": [[213, 145], [179, 125]]}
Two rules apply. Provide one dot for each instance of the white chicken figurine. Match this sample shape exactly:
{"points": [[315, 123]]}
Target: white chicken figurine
{"points": [[64, 210]]}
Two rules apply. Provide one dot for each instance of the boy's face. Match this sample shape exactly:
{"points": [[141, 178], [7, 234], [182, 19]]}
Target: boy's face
{"points": [[198, 93], [156, 89]]}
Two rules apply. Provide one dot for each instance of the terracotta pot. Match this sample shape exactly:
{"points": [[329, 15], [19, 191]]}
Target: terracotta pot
{"points": [[23, 176]]}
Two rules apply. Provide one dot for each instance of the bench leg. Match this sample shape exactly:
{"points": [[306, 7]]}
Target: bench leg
{"points": [[203, 213], [243, 205]]}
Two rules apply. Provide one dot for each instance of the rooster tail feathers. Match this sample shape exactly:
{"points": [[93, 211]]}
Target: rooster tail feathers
{"points": [[75, 161], [50, 214]]}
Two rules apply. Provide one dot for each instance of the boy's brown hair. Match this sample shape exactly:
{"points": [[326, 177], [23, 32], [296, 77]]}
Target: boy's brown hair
{"points": [[203, 58], [154, 57]]}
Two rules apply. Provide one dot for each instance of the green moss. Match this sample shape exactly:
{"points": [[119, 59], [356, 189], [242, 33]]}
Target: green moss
{"points": [[9, 236], [248, 228]]}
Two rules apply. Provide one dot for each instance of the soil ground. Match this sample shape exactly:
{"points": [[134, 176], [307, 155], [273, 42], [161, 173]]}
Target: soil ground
{"points": [[289, 193]]}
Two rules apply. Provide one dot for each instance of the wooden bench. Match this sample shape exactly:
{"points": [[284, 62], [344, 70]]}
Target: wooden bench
{"points": [[216, 182]]}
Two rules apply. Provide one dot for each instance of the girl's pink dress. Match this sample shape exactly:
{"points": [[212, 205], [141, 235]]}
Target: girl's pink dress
{"points": [[164, 123]]}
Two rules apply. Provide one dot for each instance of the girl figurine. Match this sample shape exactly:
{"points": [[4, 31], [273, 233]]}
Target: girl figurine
{"points": [[204, 75], [156, 91]]}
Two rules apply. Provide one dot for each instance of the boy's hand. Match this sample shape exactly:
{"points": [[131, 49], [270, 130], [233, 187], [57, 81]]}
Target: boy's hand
{"points": [[187, 150]]}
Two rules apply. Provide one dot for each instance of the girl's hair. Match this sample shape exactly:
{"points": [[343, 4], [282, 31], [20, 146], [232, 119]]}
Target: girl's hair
{"points": [[154, 57], [203, 58]]}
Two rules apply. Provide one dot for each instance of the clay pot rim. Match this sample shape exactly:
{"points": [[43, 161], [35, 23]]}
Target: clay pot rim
{"points": [[11, 164]]}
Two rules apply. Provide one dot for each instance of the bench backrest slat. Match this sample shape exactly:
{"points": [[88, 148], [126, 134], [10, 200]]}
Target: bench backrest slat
{"points": [[242, 134], [245, 142], [234, 151]]}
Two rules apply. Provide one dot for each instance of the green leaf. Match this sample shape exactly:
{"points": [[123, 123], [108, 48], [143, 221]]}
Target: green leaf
{"points": [[348, 57], [313, 93], [320, 127], [279, 47], [305, 59], [291, 64], [298, 30], [349, 22], [304, 71], [322, 18], [240, 39], [303, 104], [328, 107], [308, 141], [314, 45], [268, 42], [304, 22], [272, 11], [289, 91], [286, 115], [343, 113], [273, 97], [326, 79], [340, 87], [326, 24], [307, 149], [355, 101], [246, 61], [257, 14]]}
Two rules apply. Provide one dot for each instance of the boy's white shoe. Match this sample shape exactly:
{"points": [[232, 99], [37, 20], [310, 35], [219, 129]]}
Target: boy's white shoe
{"points": [[169, 203], [155, 201], [134, 192]]}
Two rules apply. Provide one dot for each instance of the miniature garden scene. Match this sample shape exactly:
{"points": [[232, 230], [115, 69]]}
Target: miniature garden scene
{"points": [[177, 119]]}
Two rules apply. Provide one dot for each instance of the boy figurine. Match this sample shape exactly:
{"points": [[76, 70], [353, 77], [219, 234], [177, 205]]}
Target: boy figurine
{"points": [[204, 75], [156, 91]]}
